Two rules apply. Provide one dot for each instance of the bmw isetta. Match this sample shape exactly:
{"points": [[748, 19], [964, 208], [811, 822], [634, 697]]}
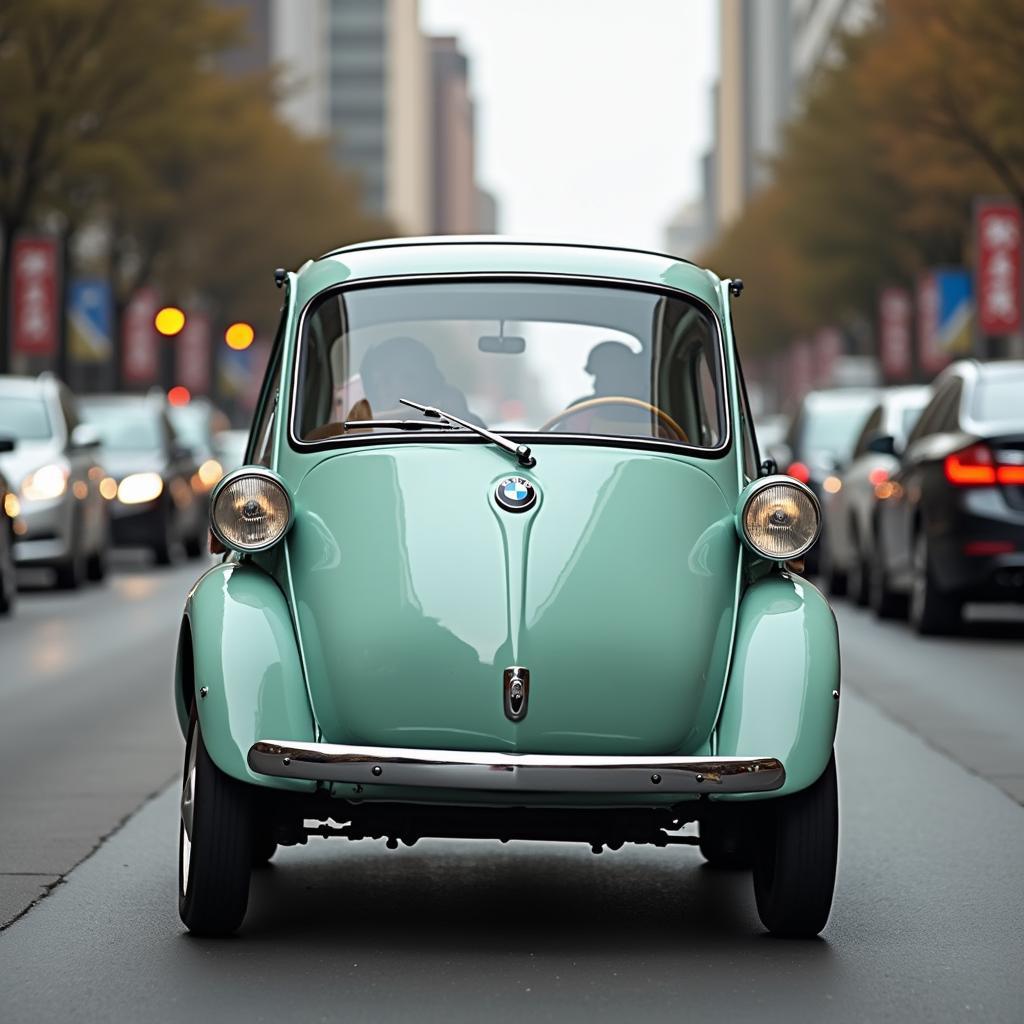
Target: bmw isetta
{"points": [[503, 563]]}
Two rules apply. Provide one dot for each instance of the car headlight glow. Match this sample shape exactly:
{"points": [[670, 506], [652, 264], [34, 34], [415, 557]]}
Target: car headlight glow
{"points": [[251, 510], [140, 487], [46, 483], [780, 518]]}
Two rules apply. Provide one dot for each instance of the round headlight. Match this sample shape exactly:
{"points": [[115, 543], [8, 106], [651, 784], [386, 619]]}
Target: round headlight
{"points": [[251, 510], [781, 519]]}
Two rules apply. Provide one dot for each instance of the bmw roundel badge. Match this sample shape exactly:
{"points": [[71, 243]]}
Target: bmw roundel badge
{"points": [[515, 494]]}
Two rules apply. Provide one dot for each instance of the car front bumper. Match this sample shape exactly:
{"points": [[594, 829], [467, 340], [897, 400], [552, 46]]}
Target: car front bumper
{"points": [[547, 773], [45, 537]]}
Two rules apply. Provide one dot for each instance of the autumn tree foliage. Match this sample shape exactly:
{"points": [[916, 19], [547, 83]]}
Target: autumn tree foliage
{"points": [[114, 116], [917, 116]]}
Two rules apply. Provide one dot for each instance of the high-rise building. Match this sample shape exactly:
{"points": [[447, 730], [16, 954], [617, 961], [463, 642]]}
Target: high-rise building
{"points": [[769, 51]]}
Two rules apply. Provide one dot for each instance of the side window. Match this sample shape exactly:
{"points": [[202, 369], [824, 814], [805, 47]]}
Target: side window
{"points": [[751, 456], [871, 428], [950, 419], [930, 418], [263, 426], [68, 409]]}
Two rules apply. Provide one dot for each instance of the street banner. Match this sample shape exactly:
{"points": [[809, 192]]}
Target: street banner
{"points": [[140, 357], [894, 341], [945, 316], [90, 320], [192, 354], [233, 370], [828, 347], [997, 246], [801, 369], [35, 293]]}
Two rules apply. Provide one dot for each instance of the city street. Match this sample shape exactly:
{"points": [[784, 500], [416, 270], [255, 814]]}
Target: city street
{"points": [[927, 920]]}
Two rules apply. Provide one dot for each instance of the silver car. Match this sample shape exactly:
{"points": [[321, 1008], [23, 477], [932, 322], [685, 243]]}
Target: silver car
{"points": [[851, 498], [57, 482]]}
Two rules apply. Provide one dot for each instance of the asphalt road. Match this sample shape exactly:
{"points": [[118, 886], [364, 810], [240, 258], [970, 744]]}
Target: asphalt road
{"points": [[926, 926]]}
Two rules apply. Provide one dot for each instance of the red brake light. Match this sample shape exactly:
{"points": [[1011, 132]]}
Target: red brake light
{"points": [[1010, 475], [799, 471], [878, 476], [971, 467]]}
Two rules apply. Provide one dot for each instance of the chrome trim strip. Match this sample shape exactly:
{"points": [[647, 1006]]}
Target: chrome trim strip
{"points": [[534, 437], [485, 770]]}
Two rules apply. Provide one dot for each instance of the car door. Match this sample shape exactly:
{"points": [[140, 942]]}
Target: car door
{"points": [[928, 444], [852, 499]]}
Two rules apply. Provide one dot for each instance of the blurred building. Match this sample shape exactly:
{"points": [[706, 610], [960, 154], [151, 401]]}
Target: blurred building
{"points": [[460, 206], [357, 71], [768, 53]]}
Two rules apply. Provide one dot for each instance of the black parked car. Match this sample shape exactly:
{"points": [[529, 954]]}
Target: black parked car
{"points": [[159, 501], [951, 528]]}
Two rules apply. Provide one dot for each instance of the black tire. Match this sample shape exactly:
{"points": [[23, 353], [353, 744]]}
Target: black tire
{"points": [[931, 612], [96, 566], [885, 602], [833, 579], [264, 845], [8, 576], [71, 572], [857, 575], [213, 875], [795, 858], [194, 546], [725, 835], [162, 554]]}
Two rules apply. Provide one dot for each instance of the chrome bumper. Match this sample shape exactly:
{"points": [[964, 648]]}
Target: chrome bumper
{"points": [[538, 773]]}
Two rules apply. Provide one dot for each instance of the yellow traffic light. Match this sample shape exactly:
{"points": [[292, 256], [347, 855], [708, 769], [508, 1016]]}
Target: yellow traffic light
{"points": [[239, 336], [169, 321]]}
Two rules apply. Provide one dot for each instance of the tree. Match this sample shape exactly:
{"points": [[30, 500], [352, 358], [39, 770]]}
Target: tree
{"points": [[84, 75]]}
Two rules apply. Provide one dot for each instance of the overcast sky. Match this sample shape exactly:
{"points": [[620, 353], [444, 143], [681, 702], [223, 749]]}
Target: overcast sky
{"points": [[591, 114]]}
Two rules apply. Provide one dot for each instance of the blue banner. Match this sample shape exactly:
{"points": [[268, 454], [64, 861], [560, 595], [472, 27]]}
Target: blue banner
{"points": [[90, 320]]}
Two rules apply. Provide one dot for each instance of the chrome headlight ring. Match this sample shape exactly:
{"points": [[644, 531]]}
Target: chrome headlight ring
{"points": [[251, 509], [779, 518]]}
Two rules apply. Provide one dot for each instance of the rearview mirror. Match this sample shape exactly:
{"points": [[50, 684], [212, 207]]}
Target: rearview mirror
{"points": [[882, 444], [506, 344], [85, 435], [7, 444]]}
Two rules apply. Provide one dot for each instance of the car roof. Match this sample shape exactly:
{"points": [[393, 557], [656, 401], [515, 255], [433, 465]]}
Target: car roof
{"points": [[497, 254], [841, 396], [13, 384]]}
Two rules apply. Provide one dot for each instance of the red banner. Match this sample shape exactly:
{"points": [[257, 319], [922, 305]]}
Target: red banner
{"points": [[828, 347], [192, 354], [35, 323], [930, 355], [140, 357], [894, 311], [997, 225]]}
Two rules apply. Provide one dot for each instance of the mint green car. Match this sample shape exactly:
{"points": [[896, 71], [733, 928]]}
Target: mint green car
{"points": [[502, 563]]}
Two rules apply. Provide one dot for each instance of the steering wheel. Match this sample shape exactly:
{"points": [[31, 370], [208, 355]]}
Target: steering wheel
{"points": [[636, 403]]}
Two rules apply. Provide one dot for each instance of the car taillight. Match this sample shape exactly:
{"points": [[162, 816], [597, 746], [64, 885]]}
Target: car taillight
{"points": [[799, 471], [975, 467], [878, 476]]}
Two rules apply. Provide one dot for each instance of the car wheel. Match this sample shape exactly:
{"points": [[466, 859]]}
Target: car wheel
{"points": [[162, 547], [194, 546], [214, 840], [8, 578], [857, 574], [931, 611], [832, 578], [71, 572], [795, 858], [884, 601], [96, 566], [725, 835], [264, 845]]}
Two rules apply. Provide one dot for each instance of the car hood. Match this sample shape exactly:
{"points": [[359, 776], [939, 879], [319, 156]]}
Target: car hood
{"points": [[413, 592]]}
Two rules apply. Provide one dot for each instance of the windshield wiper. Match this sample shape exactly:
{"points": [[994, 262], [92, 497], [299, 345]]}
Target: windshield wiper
{"points": [[522, 454], [399, 424]]}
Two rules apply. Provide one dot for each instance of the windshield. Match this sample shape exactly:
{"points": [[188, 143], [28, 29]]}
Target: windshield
{"points": [[125, 426], [831, 427], [191, 424], [518, 357], [24, 419]]}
